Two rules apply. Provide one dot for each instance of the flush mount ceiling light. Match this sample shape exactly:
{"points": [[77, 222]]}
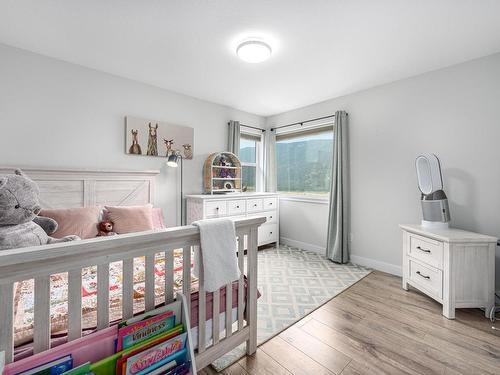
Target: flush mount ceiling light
{"points": [[253, 51]]}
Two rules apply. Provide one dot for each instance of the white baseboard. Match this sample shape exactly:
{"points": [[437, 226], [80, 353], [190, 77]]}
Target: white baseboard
{"points": [[377, 265], [367, 262], [303, 245]]}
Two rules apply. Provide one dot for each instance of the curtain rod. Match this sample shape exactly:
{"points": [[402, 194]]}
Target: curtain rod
{"points": [[302, 122], [252, 127]]}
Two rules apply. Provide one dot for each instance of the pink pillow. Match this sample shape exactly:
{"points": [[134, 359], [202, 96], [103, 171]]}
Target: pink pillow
{"points": [[158, 222], [129, 219], [81, 221]]}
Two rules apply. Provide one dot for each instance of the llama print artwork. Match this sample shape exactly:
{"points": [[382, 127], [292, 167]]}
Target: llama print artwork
{"points": [[152, 141], [157, 138], [135, 148]]}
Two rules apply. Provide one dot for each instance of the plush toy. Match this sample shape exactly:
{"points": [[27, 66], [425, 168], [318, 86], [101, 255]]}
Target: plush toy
{"points": [[19, 206], [105, 228]]}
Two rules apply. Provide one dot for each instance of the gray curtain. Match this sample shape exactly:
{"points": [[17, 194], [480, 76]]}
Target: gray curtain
{"points": [[337, 247], [270, 161], [233, 144]]}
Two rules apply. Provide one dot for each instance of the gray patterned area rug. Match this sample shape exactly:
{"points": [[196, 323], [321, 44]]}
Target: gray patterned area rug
{"points": [[293, 283]]}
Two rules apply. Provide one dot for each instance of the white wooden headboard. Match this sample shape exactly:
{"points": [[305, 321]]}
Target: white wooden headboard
{"points": [[66, 188]]}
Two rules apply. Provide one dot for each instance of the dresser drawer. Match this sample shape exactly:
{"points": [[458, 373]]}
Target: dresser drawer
{"points": [[271, 216], [426, 250], [270, 203], [236, 207], [254, 205], [268, 233], [215, 208], [427, 278]]}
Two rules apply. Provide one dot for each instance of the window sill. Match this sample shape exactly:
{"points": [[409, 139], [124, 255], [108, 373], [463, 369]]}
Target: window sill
{"points": [[304, 198]]}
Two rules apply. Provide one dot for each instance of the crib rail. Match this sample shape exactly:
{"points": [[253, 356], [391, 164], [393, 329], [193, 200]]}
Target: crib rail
{"points": [[39, 263]]}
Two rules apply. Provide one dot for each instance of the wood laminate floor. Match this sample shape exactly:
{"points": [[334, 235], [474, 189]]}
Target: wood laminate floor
{"points": [[375, 327]]}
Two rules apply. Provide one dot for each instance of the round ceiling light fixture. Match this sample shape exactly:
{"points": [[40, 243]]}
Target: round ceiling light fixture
{"points": [[254, 51]]}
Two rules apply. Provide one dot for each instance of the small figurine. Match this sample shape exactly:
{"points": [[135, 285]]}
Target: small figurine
{"points": [[106, 229]]}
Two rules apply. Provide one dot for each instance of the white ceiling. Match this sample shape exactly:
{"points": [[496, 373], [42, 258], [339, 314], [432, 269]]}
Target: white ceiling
{"points": [[322, 49]]}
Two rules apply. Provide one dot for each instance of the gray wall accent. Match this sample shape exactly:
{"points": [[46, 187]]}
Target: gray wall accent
{"points": [[57, 114], [453, 112]]}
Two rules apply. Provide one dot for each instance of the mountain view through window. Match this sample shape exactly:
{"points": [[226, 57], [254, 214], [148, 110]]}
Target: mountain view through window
{"points": [[304, 163]]}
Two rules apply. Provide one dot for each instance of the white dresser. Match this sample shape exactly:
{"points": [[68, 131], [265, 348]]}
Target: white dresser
{"points": [[238, 205], [453, 266]]}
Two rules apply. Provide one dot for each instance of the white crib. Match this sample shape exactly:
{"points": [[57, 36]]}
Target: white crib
{"points": [[78, 188]]}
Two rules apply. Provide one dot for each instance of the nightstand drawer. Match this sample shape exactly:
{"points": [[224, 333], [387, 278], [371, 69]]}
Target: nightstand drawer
{"points": [[427, 278], [270, 203], [215, 208], [426, 250], [254, 205], [236, 207]]}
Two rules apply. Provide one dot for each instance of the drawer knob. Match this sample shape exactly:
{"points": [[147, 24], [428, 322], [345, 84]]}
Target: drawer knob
{"points": [[270, 203], [255, 205], [423, 250], [237, 206], [216, 208], [270, 232], [270, 217], [422, 275]]}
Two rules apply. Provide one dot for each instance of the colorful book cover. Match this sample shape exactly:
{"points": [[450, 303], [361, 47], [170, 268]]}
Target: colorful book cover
{"points": [[144, 316], [178, 358], [107, 366], [80, 370], [181, 369], [155, 356], [121, 362], [55, 367], [128, 336]]}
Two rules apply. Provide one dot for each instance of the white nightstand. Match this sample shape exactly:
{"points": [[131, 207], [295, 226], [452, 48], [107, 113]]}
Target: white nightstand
{"points": [[453, 266]]}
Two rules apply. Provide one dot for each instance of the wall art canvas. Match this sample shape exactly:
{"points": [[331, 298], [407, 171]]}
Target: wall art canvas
{"points": [[157, 138]]}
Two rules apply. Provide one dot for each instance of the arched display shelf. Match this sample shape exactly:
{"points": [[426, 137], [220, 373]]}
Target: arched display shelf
{"points": [[222, 173]]}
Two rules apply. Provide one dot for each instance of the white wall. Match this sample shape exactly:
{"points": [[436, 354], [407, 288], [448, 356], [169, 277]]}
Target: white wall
{"points": [[453, 112], [58, 114]]}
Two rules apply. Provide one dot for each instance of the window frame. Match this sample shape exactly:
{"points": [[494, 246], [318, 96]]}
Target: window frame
{"points": [[297, 131], [256, 136]]}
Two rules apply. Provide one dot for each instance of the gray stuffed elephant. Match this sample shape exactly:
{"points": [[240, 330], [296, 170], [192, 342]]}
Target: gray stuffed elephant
{"points": [[19, 206]]}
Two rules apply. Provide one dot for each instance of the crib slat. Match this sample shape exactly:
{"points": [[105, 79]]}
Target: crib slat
{"points": [[186, 276], [202, 305], [229, 310], [74, 304], [7, 326], [102, 296], [149, 297], [169, 276], [241, 289], [251, 305], [128, 288], [41, 323], [215, 317]]}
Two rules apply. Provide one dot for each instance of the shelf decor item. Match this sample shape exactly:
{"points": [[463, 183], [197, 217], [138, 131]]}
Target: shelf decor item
{"points": [[222, 173]]}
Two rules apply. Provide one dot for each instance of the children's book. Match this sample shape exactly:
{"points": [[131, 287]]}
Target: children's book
{"points": [[181, 369], [107, 366], [135, 333], [147, 315], [121, 362], [156, 356], [80, 370], [55, 367], [178, 357]]}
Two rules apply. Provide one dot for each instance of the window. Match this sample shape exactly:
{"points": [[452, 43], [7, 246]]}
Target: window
{"points": [[304, 162], [249, 157]]}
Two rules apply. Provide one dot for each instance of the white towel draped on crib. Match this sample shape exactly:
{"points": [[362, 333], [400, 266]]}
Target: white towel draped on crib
{"points": [[218, 253]]}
